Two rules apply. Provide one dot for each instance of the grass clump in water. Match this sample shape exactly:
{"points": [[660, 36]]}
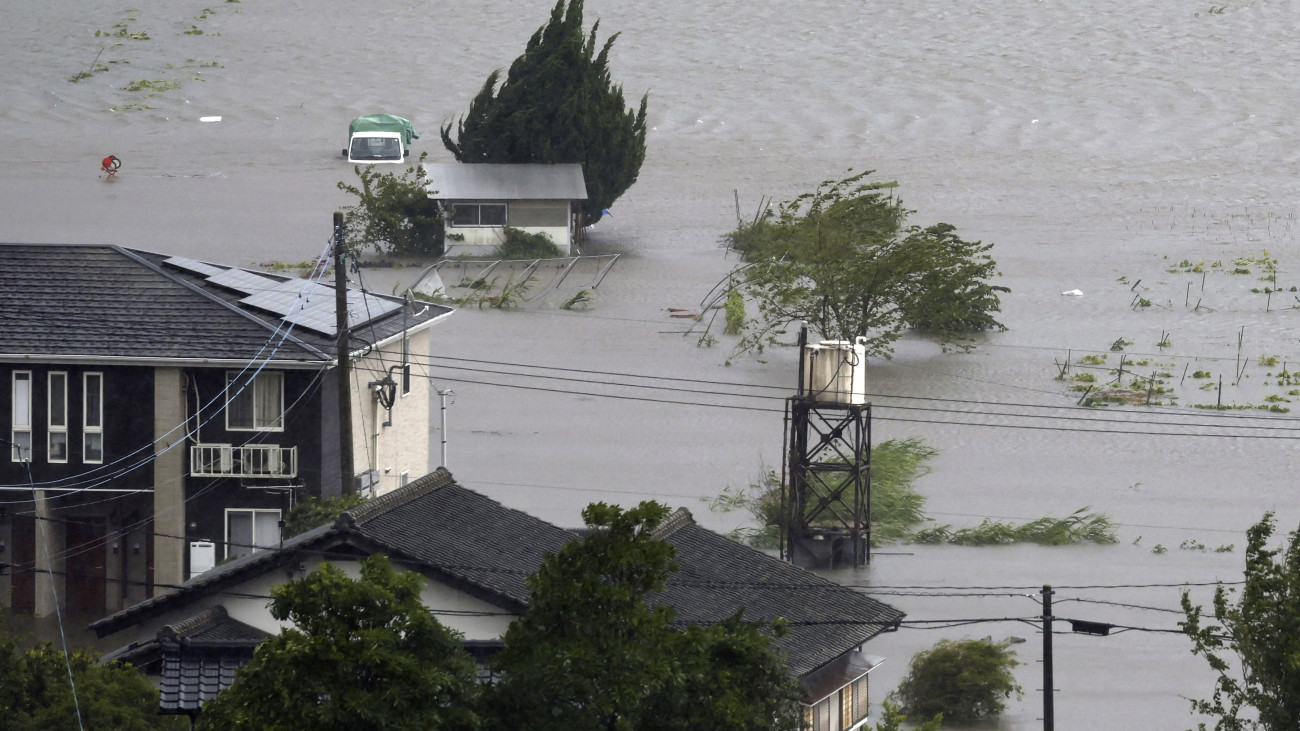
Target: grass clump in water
{"points": [[897, 509]]}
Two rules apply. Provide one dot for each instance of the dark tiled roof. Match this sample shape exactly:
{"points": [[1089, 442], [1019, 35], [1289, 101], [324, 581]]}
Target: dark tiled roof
{"points": [[200, 657], [67, 301], [193, 677], [717, 576], [464, 535], [479, 545]]}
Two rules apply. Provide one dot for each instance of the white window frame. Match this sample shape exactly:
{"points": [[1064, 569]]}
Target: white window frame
{"points": [[238, 386], [405, 478], [458, 208], [21, 423], [256, 544], [92, 417], [57, 382]]}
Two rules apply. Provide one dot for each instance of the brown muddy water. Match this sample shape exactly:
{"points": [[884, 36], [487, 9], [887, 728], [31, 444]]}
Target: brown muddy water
{"points": [[1098, 147]]}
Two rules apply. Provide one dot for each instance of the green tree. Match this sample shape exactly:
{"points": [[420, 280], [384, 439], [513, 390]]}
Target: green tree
{"points": [[843, 259], [36, 692], [394, 213], [313, 511], [1255, 645], [891, 719], [361, 653], [591, 654], [558, 104], [964, 680]]}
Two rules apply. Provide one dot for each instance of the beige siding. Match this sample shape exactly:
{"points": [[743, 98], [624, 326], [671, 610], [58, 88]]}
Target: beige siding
{"points": [[402, 445]]}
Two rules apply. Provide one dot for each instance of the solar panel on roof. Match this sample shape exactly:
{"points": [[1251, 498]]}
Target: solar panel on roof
{"points": [[193, 266], [242, 281]]}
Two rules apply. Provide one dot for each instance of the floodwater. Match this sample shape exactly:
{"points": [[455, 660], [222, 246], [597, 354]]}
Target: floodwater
{"points": [[1097, 146]]}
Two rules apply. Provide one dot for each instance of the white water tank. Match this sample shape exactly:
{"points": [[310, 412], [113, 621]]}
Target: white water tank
{"points": [[203, 557], [835, 371]]}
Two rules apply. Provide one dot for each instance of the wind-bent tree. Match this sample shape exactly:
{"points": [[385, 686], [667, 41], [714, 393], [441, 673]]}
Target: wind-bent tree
{"points": [[843, 259], [591, 654], [558, 104], [1255, 645], [964, 681], [363, 654]]}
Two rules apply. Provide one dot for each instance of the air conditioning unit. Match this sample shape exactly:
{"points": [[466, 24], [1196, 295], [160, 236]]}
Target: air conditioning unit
{"points": [[203, 557], [835, 371]]}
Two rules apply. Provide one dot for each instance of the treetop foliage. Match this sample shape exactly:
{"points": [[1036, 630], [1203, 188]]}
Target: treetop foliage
{"points": [[362, 653], [558, 104], [36, 692], [592, 653], [1254, 642], [965, 681], [844, 259]]}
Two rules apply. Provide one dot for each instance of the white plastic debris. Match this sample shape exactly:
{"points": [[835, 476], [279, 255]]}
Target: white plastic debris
{"points": [[209, 119], [1072, 293]]}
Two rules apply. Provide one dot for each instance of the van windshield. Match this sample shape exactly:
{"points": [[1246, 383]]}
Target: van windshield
{"points": [[375, 148]]}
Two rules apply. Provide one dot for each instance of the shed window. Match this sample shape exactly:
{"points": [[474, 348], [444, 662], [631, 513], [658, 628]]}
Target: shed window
{"points": [[479, 214]]}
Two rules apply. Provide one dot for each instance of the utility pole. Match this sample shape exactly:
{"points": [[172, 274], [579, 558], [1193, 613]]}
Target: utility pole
{"points": [[443, 393], [1049, 712], [348, 484]]}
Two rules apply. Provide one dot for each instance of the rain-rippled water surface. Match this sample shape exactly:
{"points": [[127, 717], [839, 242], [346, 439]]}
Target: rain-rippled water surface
{"points": [[1109, 148]]}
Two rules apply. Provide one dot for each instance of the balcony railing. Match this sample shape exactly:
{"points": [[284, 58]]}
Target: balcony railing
{"points": [[252, 460]]}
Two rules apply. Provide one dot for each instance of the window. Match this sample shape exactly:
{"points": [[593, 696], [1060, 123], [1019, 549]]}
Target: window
{"points": [[406, 380], [58, 413], [479, 214], [92, 424], [21, 449], [249, 530], [406, 477], [859, 699], [256, 406]]}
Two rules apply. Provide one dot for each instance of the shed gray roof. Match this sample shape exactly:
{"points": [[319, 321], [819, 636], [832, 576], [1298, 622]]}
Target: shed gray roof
{"points": [[61, 302], [484, 181], [486, 549]]}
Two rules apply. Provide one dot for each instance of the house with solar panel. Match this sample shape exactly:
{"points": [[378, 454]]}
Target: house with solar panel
{"points": [[482, 199], [160, 415], [474, 556]]}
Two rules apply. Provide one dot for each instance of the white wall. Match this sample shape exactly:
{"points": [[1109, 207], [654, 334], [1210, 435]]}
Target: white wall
{"points": [[403, 445]]}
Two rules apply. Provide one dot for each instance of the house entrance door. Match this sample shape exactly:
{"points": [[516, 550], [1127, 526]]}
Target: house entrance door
{"points": [[84, 567], [23, 582]]}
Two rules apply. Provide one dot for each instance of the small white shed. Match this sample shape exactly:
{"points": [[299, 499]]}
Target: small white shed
{"points": [[482, 199]]}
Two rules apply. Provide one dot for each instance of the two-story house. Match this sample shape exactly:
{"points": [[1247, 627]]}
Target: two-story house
{"points": [[159, 415]]}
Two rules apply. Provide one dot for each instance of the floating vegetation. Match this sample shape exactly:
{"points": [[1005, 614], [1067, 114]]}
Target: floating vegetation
{"points": [[1080, 527], [581, 300], [151, 85]]}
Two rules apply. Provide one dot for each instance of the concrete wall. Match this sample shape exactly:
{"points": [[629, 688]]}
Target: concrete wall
{"points": [[169, 481]]}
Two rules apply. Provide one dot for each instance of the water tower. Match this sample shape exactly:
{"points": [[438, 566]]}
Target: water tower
{"points": [[826, 504]]}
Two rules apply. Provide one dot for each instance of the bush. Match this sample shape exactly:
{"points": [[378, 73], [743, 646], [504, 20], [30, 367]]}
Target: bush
{"points": [[523, 245], [966, 681]]}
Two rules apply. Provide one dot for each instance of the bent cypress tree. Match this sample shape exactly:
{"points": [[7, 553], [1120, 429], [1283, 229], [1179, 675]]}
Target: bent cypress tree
{"points": [[558, 104]]}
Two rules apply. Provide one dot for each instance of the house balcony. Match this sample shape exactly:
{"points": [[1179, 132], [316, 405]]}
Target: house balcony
{"points": [[250, 460]]}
